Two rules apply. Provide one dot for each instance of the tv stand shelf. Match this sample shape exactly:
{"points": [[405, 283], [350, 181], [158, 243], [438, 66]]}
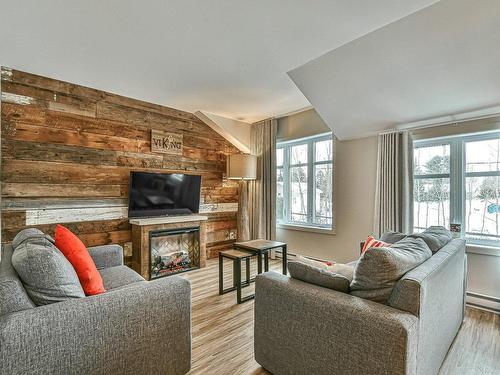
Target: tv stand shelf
{"points": [[142, 227]]}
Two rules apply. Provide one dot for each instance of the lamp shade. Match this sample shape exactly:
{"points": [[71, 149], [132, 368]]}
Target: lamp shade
{"points": [[242, 167]]}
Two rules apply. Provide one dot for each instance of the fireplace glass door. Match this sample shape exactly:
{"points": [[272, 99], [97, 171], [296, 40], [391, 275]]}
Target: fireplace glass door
{"points": [[174, 251]]}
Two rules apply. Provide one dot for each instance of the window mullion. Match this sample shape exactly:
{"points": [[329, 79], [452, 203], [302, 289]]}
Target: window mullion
{"points": [[482, 174], [310, 182], [427, 176], [457, 184], [460, 183], [286, 182]]}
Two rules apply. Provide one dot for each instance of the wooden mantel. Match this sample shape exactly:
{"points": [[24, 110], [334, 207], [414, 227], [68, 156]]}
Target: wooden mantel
{"points": [[166, 220], [142, 227]]}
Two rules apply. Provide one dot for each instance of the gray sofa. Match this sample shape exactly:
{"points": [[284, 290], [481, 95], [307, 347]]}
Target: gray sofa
{"points": [[136, 327], [302, 328]]}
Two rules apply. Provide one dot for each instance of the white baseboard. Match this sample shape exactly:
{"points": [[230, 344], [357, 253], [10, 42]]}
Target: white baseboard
{"points": [[483, 302]]}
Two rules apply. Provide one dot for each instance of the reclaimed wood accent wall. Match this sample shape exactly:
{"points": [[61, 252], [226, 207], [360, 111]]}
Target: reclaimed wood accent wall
{"points": [[67, 151]]}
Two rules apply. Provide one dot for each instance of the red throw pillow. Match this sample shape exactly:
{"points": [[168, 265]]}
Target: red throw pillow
{"points": [[77, 254], [372, 242]]}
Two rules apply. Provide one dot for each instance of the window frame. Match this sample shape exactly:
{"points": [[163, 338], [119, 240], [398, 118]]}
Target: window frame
{"points": [[457, 175], [310, 166]]}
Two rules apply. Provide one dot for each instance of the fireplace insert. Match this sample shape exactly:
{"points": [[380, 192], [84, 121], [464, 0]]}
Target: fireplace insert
{"points": [[173, 251]]}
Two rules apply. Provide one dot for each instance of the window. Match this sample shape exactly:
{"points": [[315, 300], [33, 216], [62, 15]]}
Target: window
{"points": [[457, 181], [305, 182], [431, 192]]}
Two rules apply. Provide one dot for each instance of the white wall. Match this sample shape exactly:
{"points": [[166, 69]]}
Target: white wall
{"points": [[484, 273], [236, 132], [300, 125]]}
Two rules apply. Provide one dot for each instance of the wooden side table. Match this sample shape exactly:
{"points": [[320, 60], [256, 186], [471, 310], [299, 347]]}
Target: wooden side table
{"points": [[261, 248], [236, 256]]}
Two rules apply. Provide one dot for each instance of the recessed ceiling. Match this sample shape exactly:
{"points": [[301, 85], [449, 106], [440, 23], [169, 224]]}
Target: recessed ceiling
{"points": [[225, 57], [439, 61]]}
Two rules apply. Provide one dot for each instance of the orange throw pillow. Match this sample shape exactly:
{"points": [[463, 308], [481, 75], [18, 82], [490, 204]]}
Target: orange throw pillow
{"points": [[77, 254], [372, 242]]}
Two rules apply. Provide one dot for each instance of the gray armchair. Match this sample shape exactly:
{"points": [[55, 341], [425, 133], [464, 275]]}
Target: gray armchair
{"points": [[136, 327]]}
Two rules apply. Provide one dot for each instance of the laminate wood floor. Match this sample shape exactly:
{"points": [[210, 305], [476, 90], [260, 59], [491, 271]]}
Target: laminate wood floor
{"points": [[223, 332]]}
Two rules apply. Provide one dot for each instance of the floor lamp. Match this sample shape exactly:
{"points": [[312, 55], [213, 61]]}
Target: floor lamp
{"points": [[242, 167]]}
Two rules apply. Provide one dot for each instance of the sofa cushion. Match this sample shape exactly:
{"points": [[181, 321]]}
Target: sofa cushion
{"points": [[318, 276], [378, 270], [435, 237], [13, 296], [312, 262], [118, 277], [345, 270], [75, 251], [392, 237], [46, 274]]}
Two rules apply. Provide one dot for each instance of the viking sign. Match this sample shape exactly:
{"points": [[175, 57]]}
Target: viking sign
{"points": [[166, 143]]}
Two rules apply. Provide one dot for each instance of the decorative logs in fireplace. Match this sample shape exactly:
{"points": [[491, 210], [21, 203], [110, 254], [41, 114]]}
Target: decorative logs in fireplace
{"points": [[174, 251]]}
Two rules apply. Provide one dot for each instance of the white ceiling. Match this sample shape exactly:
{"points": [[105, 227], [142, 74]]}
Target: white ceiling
{"points": [[225, 57], [442, 60]]}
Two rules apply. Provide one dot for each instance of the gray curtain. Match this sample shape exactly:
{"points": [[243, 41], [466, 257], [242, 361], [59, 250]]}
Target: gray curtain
{"points": [[394, 186], [262, 191]]}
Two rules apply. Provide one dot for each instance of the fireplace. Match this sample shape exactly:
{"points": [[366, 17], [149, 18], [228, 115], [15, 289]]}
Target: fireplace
{"points": [[166, 245], [174, 251]]}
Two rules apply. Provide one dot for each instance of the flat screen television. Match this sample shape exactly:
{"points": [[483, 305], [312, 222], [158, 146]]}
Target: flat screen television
{"points": [[160, 194]]}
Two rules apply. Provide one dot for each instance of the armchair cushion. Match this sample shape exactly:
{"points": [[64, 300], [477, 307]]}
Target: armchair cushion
{"points": [[13, 296], [346, 270], [29, 233], [46, 274], [318, 276], [106, 256], [378, 270], [435, 237], [392, 237], [119, 277]]}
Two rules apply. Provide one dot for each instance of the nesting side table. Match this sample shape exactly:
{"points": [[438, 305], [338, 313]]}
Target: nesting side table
{"points": [[236, 256], [262, 248]]}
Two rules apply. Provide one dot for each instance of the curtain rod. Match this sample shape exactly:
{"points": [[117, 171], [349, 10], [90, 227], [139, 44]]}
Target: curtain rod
{"points": [[446, 120], [450, 119]]}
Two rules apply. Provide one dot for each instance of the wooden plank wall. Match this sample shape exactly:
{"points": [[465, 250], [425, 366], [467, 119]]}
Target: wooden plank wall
{"points": [[67, 152]]}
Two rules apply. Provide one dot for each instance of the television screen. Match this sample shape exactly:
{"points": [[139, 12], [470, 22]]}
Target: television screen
{"points": [[158, 194]]}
